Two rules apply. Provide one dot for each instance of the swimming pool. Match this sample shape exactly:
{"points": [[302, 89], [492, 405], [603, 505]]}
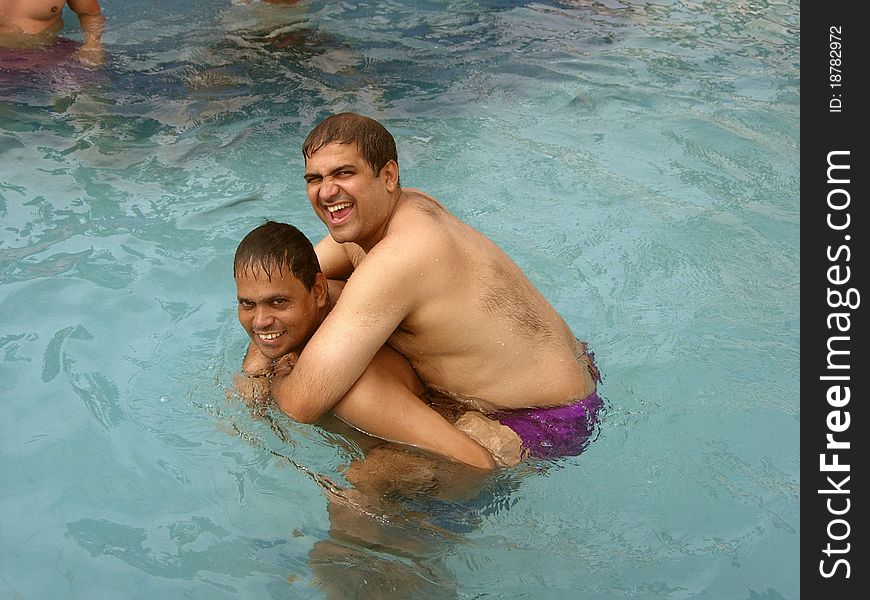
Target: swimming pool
{"points": [[638, 160]]}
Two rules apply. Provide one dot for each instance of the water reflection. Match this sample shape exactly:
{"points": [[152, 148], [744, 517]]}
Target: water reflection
{"points": [[395, 515]]}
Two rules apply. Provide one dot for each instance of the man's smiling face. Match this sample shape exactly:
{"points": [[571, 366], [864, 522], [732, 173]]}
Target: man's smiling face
{"points": [[351, 199], [278, 312]]}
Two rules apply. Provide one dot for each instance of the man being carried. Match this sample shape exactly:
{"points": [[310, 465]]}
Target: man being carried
{"points": [[440, 293], [282, 299]]}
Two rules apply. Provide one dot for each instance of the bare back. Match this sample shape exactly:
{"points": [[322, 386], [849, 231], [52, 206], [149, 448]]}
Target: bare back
{"points": [[478, 329]]}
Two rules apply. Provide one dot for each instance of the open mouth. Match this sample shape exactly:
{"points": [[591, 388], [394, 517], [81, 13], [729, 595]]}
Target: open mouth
{"points": [[338, 212], [269, 337]]}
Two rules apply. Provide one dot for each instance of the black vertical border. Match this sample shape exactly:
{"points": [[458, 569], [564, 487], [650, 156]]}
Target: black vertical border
{"points": [[824, 131]]}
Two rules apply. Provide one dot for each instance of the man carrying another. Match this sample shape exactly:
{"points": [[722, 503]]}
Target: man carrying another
{"points": [[282, 299], [440, 293]]}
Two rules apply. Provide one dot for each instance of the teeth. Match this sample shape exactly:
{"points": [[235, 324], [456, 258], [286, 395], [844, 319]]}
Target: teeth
{"points": [[336, 207], [268, 336]]}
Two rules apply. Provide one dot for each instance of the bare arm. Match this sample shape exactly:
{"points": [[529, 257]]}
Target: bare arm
{"points": [[383, 402], [374, 302], [334, 260], [91, 20]]}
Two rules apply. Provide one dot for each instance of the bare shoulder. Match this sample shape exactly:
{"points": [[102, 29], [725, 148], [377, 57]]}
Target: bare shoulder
{"points": [[407, 260], [422, 224], [390, 271], [427, 209]]}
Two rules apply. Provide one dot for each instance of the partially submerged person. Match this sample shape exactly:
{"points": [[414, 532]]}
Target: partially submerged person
{"points": [[37, 23], [283, 297], [440, 293]]}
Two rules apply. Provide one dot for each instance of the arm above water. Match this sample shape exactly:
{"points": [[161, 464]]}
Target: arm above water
{"points": [[384, 402], [375, 301], [91, 20], [333, 258]]}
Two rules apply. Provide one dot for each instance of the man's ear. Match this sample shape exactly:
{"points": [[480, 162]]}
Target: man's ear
{"points": [[390, 174], [320, 289]]}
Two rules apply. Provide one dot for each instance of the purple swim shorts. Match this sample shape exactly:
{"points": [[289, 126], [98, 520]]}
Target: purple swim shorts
{"points": [[559, 430]]}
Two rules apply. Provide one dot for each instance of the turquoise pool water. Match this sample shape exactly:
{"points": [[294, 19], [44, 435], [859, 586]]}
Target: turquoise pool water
{"points": [[638, 159]]}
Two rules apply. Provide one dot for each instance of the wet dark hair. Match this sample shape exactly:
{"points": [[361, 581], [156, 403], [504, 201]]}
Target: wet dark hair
{"points": [[274, 247], [375, 143]]}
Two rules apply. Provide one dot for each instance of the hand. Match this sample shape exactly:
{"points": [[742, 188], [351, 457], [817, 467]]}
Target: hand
{"points": [[255, 364], [253, 390], [284, 365], [91, 55]]}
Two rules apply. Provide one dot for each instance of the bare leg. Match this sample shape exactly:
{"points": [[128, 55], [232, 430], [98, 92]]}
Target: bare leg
{"points": [[345, 570], [504, 444], [405, 563], [385, 402], [389, 468]]}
